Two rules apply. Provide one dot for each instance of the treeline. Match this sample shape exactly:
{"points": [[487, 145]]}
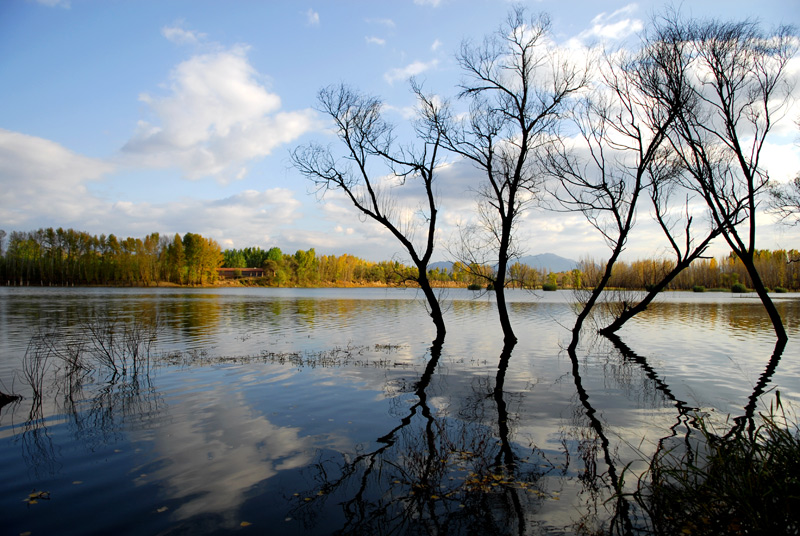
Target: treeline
{"points": [[68, 257], [305, 269], [778, 269]]}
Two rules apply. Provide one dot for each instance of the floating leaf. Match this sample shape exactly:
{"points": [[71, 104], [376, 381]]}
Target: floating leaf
{"points": [[245, 524], [34, 496], [162, 509]]}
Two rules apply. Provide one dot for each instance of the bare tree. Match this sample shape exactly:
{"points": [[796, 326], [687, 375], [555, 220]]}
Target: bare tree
{"points": [[646, 74], [732, 82], [785, 201], [617, 157], [518, 89], [686, 249], [367, 137]]}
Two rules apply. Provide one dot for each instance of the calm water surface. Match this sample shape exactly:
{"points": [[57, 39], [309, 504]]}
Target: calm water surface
{"points": [[323, 411]]}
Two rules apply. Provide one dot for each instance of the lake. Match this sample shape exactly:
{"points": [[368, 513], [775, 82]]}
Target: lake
{"points": [[327, 411]]}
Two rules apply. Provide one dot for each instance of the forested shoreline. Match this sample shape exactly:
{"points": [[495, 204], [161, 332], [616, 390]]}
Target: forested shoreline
{"points": [[66, 257]]}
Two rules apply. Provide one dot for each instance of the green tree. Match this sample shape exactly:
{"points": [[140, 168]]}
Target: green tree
{"points": [[177, 260], [234, 258]]}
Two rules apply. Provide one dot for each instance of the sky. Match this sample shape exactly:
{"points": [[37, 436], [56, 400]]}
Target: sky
{"points": [[174, 116]]}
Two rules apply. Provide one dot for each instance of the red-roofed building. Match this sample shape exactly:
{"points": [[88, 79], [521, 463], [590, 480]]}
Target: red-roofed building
{"points": [[235, 273]]}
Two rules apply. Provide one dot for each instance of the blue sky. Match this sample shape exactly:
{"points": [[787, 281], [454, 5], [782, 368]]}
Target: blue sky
{"points": [[131, 117]]}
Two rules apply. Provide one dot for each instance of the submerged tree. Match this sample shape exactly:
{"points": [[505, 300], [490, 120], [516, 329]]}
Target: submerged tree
{"points": [[518, 89], [617, 157], [369, 140], [640, 79], [730, 82]]}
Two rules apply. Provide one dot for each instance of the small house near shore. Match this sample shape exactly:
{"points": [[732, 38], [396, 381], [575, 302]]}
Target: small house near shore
{"points": [[236, 273]]}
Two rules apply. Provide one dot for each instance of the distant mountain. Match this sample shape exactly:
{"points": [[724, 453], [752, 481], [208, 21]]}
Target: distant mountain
{"points": [[547, 262], [441, 265]]}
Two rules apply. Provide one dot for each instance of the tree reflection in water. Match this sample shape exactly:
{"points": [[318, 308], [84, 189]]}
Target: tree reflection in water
{"points": [[758, 390], [448, 463], [725, 482], [630, 510], [593, 480], [436, 472]]}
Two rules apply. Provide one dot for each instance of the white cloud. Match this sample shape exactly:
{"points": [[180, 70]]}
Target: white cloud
{"points": [[216, 118], [782, 161], [43, 184], [432, 3], [180, 36], [39, 178], [375, 40], [436, 45], [615, 26], [412, 69], [249, 218], [389, 23], [312, 17]]}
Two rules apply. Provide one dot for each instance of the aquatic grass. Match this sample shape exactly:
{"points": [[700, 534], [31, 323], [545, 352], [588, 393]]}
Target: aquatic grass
{"points": [[101, 345], [744, 482]]}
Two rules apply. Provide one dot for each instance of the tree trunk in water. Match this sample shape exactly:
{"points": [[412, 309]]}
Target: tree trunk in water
{"points": [[576, 330], [500, 283], [435, 309], [502, 309], [627, 314], [761, 290]]}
